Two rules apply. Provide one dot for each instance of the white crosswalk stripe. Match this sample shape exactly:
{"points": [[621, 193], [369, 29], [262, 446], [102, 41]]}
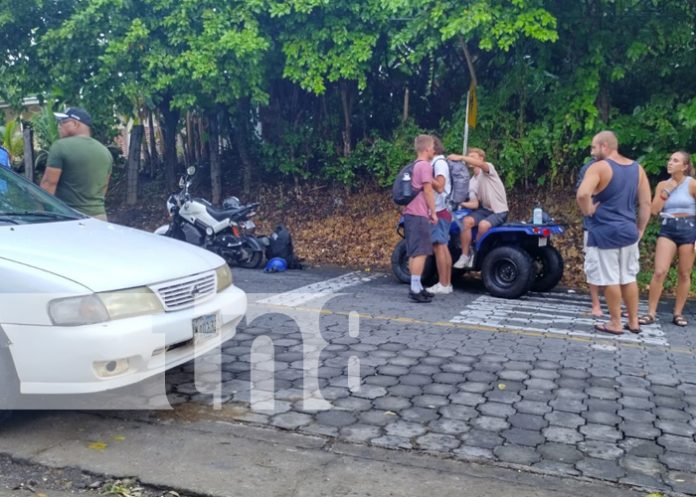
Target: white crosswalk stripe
{"points": [[558, 313], [326, 288]]}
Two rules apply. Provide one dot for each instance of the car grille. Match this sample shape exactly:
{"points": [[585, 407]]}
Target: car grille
{"points": [[185, 292]]}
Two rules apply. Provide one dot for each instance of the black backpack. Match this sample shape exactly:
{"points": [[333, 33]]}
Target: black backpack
{"points": [[280, 245], [402, 189]]}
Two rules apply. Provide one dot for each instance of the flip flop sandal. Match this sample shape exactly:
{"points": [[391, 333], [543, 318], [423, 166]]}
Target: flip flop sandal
{"points": [[603, 328], [632, 330], [680, 320], [647, 319]]}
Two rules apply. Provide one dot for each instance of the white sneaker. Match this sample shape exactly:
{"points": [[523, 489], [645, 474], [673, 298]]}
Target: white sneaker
{"points": [[437, 288], [463, 261]]}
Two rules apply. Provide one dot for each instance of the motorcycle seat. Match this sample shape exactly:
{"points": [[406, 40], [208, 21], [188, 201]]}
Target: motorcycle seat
{"points": [[222, 213]]}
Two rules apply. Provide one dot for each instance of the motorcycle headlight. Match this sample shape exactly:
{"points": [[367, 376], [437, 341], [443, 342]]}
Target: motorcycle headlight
{"points": [[224, 277], [105, 306]]}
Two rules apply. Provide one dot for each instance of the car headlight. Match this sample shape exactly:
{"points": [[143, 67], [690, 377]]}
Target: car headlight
{"points": [[100, 307], [132, 302], [224, 277], [75, 311]]}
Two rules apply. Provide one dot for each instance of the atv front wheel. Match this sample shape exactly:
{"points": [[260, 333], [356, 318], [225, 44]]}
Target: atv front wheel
{"points": [[508, 272]]}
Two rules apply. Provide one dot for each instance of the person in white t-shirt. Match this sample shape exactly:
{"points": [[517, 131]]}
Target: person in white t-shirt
{"points": [[442, 184]]}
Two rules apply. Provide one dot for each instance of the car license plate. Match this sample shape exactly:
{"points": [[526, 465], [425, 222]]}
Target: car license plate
{"points": [[250, 225], [543, 241], [205, 325]]}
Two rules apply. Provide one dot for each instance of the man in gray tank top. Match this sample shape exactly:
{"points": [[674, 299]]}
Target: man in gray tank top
{"points": [[612, 258]]}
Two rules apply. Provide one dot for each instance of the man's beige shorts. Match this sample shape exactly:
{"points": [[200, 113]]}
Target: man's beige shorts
{"points": [[612, 266]]}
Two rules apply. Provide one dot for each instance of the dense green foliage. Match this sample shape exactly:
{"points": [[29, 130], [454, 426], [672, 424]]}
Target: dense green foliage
{"points": [[337, 89]]}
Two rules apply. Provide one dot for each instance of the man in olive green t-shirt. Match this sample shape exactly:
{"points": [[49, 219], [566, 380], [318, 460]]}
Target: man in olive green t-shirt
{"points": [[78, 167]]}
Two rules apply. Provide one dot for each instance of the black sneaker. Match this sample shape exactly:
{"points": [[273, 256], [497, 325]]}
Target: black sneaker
{"points": [[419, 297], [426, 293]]}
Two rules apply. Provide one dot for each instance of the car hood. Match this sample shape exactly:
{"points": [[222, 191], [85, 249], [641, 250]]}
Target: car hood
{"points": [[103, 256]]}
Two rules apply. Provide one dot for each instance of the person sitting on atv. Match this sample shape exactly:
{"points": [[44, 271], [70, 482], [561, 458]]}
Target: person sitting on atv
{"points": [[490, 202]]}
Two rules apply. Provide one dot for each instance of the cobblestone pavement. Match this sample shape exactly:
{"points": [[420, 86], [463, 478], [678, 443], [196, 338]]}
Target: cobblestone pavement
{"points": [[516, 382]]}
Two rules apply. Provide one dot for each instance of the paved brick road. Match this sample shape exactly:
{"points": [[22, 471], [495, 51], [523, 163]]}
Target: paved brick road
{"points": [[517, 382]]}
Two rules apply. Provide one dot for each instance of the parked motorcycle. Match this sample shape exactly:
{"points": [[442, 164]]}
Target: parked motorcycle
{"points": [[241, 216], [197, 221]]}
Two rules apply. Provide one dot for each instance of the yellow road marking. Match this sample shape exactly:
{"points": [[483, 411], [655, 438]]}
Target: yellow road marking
{"points": [[490, 329]]}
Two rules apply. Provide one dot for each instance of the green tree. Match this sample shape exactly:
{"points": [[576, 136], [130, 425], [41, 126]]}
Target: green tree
{"points": [[332, 43], [178, 55]]}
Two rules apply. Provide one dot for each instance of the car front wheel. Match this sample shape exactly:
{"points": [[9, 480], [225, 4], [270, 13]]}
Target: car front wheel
{"points": [[9, 383]]}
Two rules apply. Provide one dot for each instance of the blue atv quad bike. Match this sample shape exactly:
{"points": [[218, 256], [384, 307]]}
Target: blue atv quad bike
{"points": [[513, 258]]}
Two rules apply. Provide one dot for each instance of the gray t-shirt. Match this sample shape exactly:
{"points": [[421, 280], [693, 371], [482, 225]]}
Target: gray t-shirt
{"points": [[441, 168]]}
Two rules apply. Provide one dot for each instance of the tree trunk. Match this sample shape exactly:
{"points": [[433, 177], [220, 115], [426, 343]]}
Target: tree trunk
{"points": [[133, 167], [240, 139], [347, 104], [214, 146], [469, 61], [203, 141], [404, 116], [147, 166], [28, 153], [154, 156], [189, 149], [168, 124], [243, 131], [603, 102]]}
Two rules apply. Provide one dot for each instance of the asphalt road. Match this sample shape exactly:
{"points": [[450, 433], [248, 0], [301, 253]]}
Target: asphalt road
{"points": [[527, 386]]}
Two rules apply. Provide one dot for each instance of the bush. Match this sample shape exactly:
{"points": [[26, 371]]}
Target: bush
{"points": [[376, 159]]}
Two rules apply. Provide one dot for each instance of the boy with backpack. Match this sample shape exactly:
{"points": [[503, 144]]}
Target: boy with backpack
{"points": [[419, 216]]}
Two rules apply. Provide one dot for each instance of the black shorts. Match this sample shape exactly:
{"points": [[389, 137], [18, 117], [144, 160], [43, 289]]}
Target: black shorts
{"points": [[486, 215], [681, 230], [418, 238]]}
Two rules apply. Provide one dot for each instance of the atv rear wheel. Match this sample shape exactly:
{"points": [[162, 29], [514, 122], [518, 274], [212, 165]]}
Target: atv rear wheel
{"points": [[399, 264], [548, 267]]}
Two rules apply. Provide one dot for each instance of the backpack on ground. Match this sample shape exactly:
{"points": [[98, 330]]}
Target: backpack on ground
{"points": [[459, 178], [280, 245], [402, 189]]}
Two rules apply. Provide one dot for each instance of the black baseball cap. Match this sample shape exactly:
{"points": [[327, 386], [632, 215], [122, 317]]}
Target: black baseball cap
{"points": [[76, 113]]}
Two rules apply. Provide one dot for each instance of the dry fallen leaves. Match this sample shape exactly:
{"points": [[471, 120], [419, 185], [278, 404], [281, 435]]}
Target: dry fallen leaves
{"points": [[334, 226]]}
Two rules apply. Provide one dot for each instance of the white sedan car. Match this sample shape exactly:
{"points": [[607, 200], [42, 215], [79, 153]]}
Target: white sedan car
{"points": [[87, 306]]}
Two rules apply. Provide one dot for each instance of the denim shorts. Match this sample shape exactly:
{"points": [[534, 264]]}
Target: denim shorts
{"points": [[681, 230], [440, 232]]}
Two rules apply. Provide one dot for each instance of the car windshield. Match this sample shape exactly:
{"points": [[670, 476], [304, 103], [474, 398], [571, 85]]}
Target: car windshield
{"points": [[22, 202]]}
